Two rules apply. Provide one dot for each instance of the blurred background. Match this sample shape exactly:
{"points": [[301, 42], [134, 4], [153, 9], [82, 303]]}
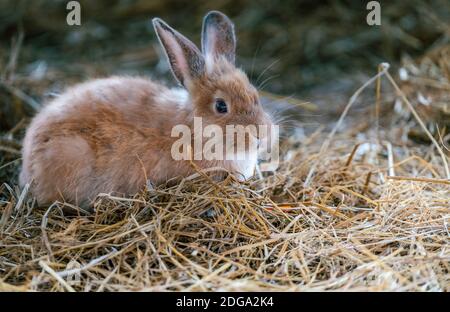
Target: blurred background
{"points": [[317, 51]]}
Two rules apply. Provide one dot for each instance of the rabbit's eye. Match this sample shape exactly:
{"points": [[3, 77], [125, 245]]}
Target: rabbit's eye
{"points": [[221, 106]]}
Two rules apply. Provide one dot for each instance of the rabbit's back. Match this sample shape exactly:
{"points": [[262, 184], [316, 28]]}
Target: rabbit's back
{"points": [[96, 137]]}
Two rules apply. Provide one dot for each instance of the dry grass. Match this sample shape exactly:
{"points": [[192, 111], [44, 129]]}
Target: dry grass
{"points": [[373, 216]]}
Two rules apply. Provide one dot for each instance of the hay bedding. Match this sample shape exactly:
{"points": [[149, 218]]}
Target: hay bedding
{"points": [[340, 213]]}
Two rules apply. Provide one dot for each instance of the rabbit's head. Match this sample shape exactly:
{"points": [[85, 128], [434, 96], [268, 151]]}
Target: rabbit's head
{"points": [[219, 92]]}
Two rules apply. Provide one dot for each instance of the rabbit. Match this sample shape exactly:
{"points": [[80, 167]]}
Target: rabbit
{"points": [[113, 135]]}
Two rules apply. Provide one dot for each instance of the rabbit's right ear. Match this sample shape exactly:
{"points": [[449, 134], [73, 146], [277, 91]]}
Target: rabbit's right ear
{"points": [[186, 60], [218, 38]]}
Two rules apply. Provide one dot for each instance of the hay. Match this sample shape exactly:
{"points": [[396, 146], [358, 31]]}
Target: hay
{"points": [[374, 216], [427, 82]]}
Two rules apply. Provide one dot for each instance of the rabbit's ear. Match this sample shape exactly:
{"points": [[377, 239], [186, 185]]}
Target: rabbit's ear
{"points": [[186, 60], [218, 36]]}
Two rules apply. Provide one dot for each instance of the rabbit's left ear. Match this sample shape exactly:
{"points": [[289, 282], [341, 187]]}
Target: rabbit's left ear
{"points": [[218, 36], [186, 60]]}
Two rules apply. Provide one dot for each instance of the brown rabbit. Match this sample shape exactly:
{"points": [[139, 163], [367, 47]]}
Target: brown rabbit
{"points": [[114, 134]]}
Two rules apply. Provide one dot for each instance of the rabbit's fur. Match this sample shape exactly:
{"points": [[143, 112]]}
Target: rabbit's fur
{"points": [[114, 134]]}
